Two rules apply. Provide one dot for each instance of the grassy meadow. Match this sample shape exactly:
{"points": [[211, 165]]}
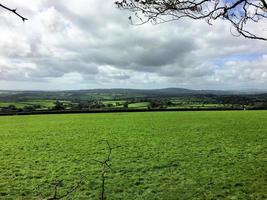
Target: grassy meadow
{"points": [[162, 155], [43, 103]]}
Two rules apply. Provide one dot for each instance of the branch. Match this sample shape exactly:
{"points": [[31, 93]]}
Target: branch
{"points": [[14, 11], [56, 186], [59, 184], [105, 166], [264, 4], [239, 13]]}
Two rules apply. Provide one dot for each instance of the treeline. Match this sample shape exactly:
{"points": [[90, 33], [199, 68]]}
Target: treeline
{"points": [[249, 102], [13, 108], [191, 102]]}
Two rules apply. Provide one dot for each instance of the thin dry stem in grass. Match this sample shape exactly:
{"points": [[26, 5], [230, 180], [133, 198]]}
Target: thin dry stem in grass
{"points": [[106, 166]]}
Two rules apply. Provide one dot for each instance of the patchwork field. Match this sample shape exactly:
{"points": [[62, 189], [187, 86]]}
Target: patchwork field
{"points": [[162, 155]]}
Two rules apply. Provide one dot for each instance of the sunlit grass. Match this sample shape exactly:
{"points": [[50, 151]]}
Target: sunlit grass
{"points": [[176, 155]]}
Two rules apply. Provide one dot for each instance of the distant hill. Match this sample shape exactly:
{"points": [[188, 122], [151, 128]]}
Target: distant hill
{"points": [[164, 91], [114, 93]]}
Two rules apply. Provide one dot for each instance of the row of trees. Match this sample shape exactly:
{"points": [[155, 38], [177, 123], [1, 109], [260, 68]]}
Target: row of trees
{"points": [[13, 108], [61, 106], [242, 101], [231, 101]]}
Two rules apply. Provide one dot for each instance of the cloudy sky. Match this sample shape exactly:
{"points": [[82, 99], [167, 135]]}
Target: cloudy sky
{"points": [[84, 44]]}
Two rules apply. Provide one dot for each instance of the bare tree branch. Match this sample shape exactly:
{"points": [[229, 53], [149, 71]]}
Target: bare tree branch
{"points": [[58, 184], [105, 166], [14, 11], [240, 13]]}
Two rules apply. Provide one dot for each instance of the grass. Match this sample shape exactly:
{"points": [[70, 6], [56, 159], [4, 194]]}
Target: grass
{"points": [[18, 105], [42, 102], [113, 102], [196, 106], [138, 105], [175, 155]]}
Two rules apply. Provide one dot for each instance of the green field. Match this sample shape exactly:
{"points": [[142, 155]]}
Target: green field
{"points": [[142, 105], [42, 103], [163, 155]]}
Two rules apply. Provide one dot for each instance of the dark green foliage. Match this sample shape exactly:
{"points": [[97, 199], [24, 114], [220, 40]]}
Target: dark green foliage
{"points": [[87, 100], [11, 108], [59, 106], [125, 105], [31, 108]]}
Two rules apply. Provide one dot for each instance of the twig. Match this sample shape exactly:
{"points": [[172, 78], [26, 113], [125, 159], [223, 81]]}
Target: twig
{"points": [[239, 13], [57, 185], [14, 11], [105, 166]]}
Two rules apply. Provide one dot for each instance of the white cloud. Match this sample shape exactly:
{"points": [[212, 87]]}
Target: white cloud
{"points": [[90, 44]]}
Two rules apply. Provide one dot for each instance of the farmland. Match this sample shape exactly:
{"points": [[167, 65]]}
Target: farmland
{"points": [[14, 102], [170, 155]]}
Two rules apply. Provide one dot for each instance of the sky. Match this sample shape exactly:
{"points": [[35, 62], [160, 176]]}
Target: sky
{"points": [[86, 44]]}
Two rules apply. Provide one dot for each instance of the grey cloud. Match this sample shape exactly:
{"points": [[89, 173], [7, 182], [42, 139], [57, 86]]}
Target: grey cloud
{"points": [[57, 68], [96, 41]]}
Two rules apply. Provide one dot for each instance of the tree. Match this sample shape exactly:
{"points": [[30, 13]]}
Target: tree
{"points": [[13, 11], [58, 106], [125, 105], [10, 108], [240, 13], [28, 108]]}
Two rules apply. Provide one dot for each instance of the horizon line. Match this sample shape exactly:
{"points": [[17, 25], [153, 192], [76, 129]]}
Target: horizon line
{"points": [[64, 90]]}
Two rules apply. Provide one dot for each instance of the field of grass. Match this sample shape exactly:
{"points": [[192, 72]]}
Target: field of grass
{"points": [[44, 103], [114, 102], [163, 155], [18, 105], [138, 105], [196, 106]]}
